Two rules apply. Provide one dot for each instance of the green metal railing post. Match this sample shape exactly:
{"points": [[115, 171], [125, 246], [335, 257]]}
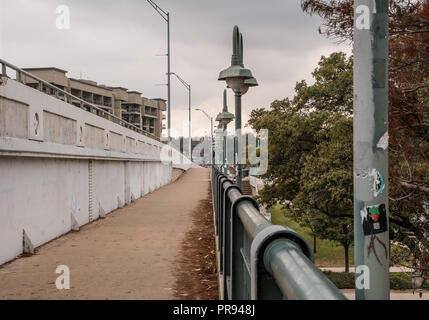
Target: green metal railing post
{"points": [[227, 227], [259, 260]]}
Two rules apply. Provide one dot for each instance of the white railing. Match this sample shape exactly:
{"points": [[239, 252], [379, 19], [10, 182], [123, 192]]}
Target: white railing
{"points": [[68, 96]]}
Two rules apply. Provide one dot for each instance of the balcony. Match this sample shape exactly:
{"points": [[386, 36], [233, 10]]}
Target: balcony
{"points": [[131, 109], [151, 113]]}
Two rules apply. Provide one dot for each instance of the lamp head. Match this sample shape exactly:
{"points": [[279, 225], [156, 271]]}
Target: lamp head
{"points": [[224, 117], [236, 74], [251, 82]]}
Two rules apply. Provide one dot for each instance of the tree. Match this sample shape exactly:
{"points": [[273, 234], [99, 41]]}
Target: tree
{"points": [[307, 218], [338, 229], [327, 184], [408, 109], [310, 143]]}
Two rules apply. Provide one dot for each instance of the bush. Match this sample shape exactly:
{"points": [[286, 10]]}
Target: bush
{"points": [[400, 281], [342, 280], [345, 280]]}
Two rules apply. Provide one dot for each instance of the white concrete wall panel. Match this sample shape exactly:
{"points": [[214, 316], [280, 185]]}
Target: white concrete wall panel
{"points": [[68, 162], [146, 178], [13, 118], [136, 175], [59, 129], [108, 183], [39, 195]]}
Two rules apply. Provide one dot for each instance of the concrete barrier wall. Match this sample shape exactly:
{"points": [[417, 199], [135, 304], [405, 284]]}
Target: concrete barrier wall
{"points": [[60, 164], [177, 173]]}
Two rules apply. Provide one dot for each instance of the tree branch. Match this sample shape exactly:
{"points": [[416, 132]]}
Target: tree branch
{"points": [[412, 185], [408, 90]]}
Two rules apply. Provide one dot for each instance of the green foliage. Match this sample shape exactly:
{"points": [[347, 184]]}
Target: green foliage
{"points": [[330, 91], [342, 280], [400, 275], [345, 280], [400, 255], [399, 283], [329, 253], [310, 142], [408, 110]]}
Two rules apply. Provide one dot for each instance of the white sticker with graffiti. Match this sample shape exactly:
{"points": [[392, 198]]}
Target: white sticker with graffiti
{"points": [[383, 143], [377, 182]]}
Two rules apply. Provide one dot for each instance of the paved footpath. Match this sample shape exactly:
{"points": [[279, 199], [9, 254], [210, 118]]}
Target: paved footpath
{"points": [[128, 255]]}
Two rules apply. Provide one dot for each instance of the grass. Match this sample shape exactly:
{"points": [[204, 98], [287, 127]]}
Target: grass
{"points": [[329, 253]]}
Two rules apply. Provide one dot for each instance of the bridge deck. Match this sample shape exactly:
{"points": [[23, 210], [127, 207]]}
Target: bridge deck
{"points": [[128, 255]]}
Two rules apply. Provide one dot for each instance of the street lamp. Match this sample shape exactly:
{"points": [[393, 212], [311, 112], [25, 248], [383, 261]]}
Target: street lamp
{"points": [[236, 74], [247, 82], [166, 17], [211, 125], [209, 117], [188, 87], [239, 79], [224, 119]]}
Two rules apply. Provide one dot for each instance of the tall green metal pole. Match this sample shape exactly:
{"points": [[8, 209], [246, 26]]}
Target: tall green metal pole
{"points": [[225, 132], [370, 152], [236, 76], [224, 118], [166, 17], [190, 129], [238, 175], [225, 170], [168, 78]]}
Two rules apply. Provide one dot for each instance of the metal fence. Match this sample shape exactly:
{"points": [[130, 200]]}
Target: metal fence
{"points": [[259, 260], [69, 98]]}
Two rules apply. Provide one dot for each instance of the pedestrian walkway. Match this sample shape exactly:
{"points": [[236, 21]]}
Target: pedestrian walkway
{"points": [[129, 255]]}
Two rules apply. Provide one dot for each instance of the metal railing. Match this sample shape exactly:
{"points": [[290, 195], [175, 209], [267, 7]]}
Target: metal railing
{"points": [[69, 97], [259, 260]]}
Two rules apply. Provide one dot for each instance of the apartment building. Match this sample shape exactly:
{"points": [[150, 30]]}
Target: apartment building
{"points": [[131, 106]]}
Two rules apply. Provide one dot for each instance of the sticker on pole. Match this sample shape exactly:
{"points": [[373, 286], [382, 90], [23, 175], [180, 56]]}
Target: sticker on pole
{"points": [[378, 182], [374, 219]]}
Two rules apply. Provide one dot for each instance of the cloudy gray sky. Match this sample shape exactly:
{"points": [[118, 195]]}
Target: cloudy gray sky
{"points": [[117, 43]]}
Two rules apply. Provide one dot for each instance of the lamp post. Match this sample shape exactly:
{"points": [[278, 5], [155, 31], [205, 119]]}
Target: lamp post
{"points": [[188, 87], [166, 17], [224, 119], [370, 149], [239, 79], [211, 126]]}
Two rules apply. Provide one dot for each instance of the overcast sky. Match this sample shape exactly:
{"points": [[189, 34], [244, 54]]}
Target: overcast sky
{"points": [[117, 42]]}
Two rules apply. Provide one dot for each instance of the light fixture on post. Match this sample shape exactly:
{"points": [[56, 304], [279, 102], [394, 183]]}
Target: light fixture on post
{"points": [[211, 126], [188, 87], [166, 16], [236, 74], [239, 79], [251, 82], [224, 119]]}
